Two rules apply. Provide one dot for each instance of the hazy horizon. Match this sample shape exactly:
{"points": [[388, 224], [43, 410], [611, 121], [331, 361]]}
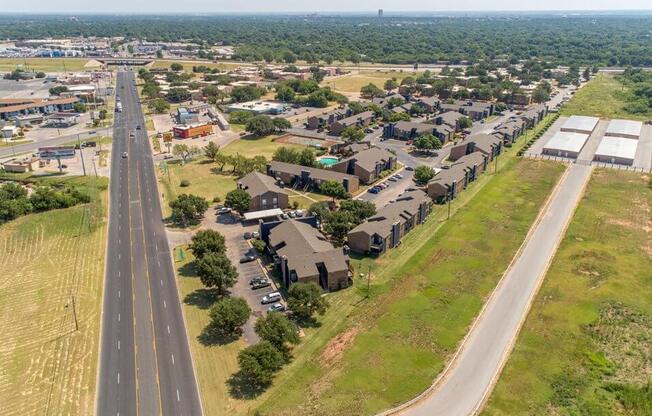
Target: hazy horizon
{"points": [[332, 6]]}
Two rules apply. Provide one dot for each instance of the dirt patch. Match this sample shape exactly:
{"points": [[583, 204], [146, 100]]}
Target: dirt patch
{"points": [[624, 336], [334, 350]]}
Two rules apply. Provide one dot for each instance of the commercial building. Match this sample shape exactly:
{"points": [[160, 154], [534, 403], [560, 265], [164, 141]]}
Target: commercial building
{"points": [[386, 229], [629, 129], [192, 131], [565, 144], [304, 255], [448, 183], [616, 150], [257, 107], [367, 164], [16, 107], [264, 192], [304, 177], [580, 124], [28, 164]]}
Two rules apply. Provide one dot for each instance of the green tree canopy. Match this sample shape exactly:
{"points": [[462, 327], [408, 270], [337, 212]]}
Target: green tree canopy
{"points": [[229, 314], [188, 209], [238, 199], [278, 330], [215, 270], [207, 241], [423, 174], [258, 363], [305, 299]]}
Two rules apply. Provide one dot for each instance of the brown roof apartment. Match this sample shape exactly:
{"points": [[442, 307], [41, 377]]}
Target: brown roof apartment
{"points": [[305, 177], [367, 164], [264, 192]]}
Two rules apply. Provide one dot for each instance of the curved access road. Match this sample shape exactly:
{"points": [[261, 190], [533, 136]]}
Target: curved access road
{"points": [[463, 387]]}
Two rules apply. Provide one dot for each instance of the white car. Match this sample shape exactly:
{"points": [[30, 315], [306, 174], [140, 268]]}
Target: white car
{"points": [[271, 298]]}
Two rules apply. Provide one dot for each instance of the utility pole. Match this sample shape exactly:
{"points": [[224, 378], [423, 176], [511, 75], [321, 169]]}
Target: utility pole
{"points": [[449, 205], [81, 152], [74, 313], [496, 164], [368, 282], [94, 168]]}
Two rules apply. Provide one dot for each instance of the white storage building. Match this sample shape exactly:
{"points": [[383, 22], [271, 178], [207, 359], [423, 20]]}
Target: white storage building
{"points": [[616, 150], [630, 129], [565, 144], [580, 124]]}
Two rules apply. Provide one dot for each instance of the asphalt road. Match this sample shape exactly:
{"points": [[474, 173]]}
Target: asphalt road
{"points": [[145, 361], [465, 385], [31, 147]]}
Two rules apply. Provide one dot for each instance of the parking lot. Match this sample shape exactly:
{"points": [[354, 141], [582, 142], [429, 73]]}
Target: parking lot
{"points": [[237, 247]]}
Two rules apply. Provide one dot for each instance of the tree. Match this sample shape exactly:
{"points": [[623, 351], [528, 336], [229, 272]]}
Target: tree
{"points": [[151, 90], [465, 122], [370, 91], [305, 299], [229, 314], [334, 189], [177, 95], [187, 209], [258, 363], [240, 117], [260, 125], [246, 93], [215, 270], [238, 199], [338, 225], [390, 85], [185, 151], [281, 124], [320, 210], [211, 150], [159, 106], [176, 67], [427, 143], [395, 102], [79, 107], [58, 90], [353, 134], [285, 93], [277, 329], [423, 174], [207, 241], [359, 209], [307, 157]]}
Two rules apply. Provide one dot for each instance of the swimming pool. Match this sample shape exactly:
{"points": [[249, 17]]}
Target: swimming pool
{"points": [[328, 161]]}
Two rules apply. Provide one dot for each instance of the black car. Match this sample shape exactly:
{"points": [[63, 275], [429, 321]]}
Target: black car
{"points": [[138, 127], [247, 235], [247, 258]]}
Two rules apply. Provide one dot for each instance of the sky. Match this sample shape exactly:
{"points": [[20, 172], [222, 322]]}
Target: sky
{"points": [[276, 6]]}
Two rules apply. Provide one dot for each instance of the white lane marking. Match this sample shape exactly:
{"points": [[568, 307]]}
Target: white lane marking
{"points": [[178, 398], [118, 345], [172, 358], [119, 256], [118, 378], [118, 317], [118, 273], [119, 241], [168, 329], [118, 293], [165, 305], [158, 262], [161, 282]]}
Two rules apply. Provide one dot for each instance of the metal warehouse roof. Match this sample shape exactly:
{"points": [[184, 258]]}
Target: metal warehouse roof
{"points": [[567, 141], [617, 147], [580, 123], [624, 128]]}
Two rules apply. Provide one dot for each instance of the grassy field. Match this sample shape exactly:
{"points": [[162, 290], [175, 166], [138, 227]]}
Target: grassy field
{"points": [[43, 64], [48, 368], [203, 181], [214, 363], [256, 146], [585, 346], [353, 82], [602, 97]]}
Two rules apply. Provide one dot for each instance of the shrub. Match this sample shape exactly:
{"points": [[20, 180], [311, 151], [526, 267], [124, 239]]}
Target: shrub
{"points": [[184, 183]]}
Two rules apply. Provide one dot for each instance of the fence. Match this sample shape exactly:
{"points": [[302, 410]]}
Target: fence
{"points": [[615, 166]]}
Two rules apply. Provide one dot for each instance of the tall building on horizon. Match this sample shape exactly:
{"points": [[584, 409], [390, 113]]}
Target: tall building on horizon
{"points": [[380, 13]]}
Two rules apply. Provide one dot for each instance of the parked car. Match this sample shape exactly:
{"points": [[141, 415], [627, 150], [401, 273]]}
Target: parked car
{"points": [[398, 175], [392, 179], [261, 284], [409, 168], [257, 279], [224, 210], [373, 190], [284, 216], [124, 155], [168, 157], [248, 257], [368, 130], [292, 214], [138, 127], [445, 166], [255, 234], [277, 307], [271, 298], [299, 213], [247, 235]]}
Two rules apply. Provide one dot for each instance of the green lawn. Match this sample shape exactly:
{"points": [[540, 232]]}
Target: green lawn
{"points": [[585, 346], [353, 82], [602, 97], [256, 146], [425, 294], [204, 181], [43, 64], [46, 366]]}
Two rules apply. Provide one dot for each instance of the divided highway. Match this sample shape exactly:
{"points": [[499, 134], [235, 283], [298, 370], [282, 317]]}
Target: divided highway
{"points": [[145, 362]]}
